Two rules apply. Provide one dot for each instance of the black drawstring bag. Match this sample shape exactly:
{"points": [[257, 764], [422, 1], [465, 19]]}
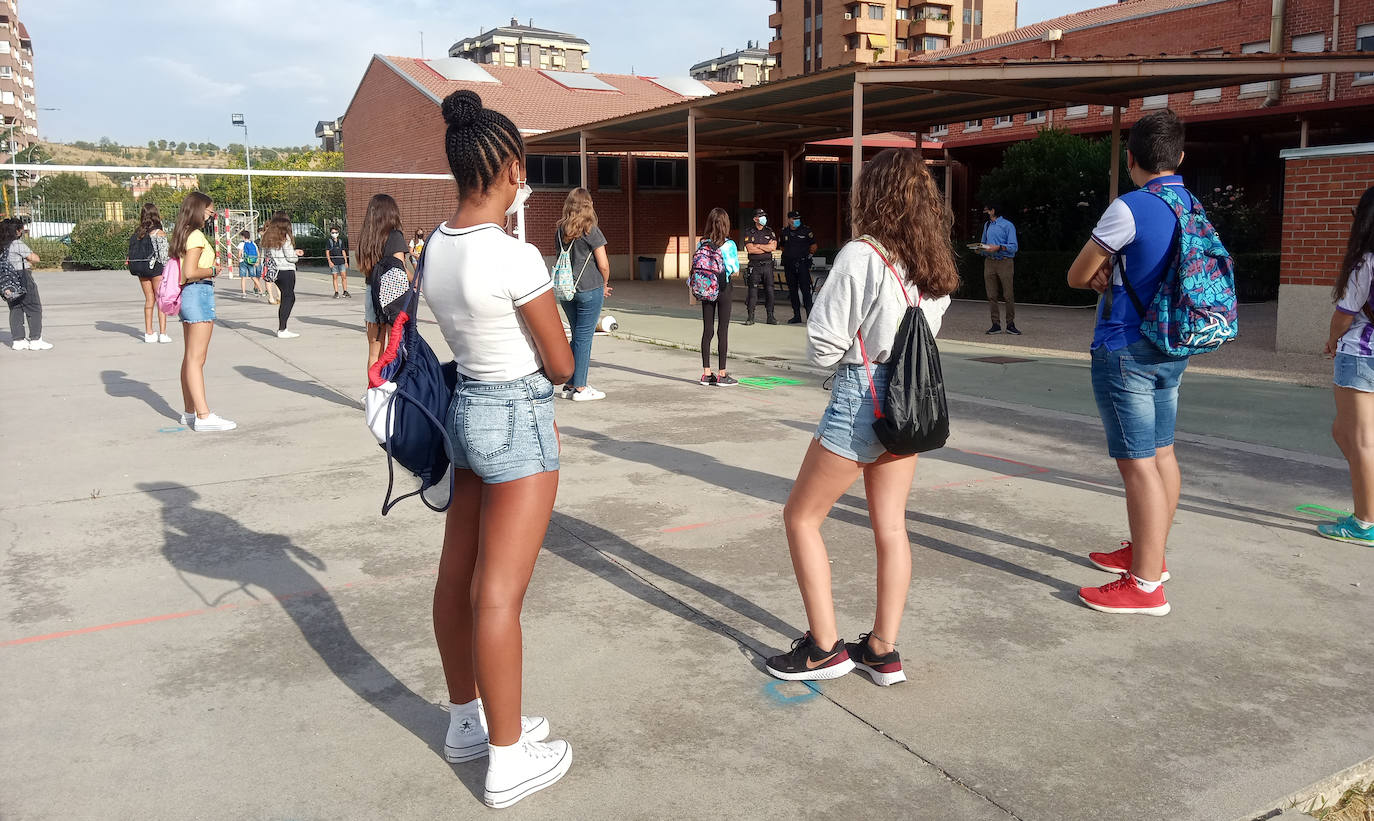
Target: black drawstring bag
{"points": [[914, 417]]}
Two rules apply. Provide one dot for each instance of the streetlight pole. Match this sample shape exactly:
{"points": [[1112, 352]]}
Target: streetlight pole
{"points": [[14, 161], [239, 121]]}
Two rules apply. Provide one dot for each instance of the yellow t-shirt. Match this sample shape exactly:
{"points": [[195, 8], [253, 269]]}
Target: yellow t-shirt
{"points": [[207, 251]]}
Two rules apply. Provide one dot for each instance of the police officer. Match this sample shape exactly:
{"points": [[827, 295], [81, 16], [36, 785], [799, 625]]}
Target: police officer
{"points": [[759, 243], [798, 244]]}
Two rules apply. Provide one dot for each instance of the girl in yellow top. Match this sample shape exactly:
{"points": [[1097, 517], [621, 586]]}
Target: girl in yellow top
{"points": [[197, 257]]}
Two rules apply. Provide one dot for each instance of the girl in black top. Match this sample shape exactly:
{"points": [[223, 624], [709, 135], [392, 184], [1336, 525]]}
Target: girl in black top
{"points": [[382, 237]]}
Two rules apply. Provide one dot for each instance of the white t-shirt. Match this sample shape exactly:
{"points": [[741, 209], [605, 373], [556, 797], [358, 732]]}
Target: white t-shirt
{"points": [[475, 280], [1359, 340]]}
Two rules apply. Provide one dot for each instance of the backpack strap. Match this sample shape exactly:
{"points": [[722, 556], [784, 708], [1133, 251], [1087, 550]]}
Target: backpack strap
{"points": [[413, 306], [868, 366]]}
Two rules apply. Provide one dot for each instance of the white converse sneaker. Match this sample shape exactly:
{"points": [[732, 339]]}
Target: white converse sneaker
{"points": [[21, 345], [587, 394], [150, 338], [467, 732], [187, 417], [213, 422], [164, 338], [287, 334], [39, 345], [523, 769]]}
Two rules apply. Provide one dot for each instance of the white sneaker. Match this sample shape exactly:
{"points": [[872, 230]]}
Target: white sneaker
{"points": [[523, 769], [213, 422], [164, 338], [587, 394], [150, 338], [287, 334], [39, 345], [187, 419], [21, 344], [467, 732]]}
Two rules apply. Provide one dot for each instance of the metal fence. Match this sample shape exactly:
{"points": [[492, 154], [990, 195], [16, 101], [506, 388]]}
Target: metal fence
{"points": [[57, 220]]}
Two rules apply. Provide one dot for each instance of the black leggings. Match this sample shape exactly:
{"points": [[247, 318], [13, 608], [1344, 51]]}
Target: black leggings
{"points": [[286, 281], [715, 314]]}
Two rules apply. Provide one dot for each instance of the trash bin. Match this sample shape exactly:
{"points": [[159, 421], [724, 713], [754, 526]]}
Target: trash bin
{"points": [[647, 267]]}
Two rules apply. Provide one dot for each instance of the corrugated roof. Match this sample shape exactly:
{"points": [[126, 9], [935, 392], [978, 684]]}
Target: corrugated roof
{"points": [[1090, 18], [537, 103]]}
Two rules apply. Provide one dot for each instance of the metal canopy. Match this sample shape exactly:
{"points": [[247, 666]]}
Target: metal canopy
{"points": [[915, 96]]}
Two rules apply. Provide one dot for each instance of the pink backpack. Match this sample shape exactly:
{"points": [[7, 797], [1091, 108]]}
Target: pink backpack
{"points": [[169, 290]]}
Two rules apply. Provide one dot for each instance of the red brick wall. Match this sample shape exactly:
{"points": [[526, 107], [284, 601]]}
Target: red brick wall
{"points": [[1318, 194]]}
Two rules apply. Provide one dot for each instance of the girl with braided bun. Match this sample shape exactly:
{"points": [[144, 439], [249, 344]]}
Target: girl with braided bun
{"points": [[493, 299]]}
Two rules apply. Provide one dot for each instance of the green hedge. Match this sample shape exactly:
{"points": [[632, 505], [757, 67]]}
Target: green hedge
{"points": [[1257, 276], [313, 248], [51, 252], [101, 244]]}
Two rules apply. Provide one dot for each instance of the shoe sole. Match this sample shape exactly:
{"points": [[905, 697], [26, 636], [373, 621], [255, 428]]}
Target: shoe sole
{"points": [[823, 674], [507, 797], [726, 385], [1164, 577], [461, 755], [593, 399], [1347, 539], [881, 679], [1158, 610]]}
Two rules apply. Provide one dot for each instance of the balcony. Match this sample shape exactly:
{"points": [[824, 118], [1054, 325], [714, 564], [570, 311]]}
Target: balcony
{"points": [[863, 25], [775, 46], [775, 20], [924, 26]]}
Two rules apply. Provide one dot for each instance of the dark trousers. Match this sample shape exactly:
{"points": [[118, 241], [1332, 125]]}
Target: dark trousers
{"points": [[286, 281], [760, 276], [715, 321], [30, 306], [798, 284]]}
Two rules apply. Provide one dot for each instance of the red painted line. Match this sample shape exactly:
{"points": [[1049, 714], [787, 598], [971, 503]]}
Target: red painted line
{"points": [[1034, 468], [99, 628], [699, 525]]}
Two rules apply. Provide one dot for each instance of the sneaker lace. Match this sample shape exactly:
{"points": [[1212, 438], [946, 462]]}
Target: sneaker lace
{"points": [[1120, 584], [536, 750]]}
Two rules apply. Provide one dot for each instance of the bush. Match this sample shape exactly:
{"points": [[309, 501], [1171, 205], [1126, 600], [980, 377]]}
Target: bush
{"points": [[51, 252], [1041, 278], [313, 248], [101, 245], [1257, 276]]}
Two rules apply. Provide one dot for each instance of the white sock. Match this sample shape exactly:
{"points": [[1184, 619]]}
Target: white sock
{"points": [[1362, 523], [1145, 587]]}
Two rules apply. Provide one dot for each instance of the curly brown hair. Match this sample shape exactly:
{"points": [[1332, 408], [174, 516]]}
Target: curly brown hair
{"points": [[896, 202]]}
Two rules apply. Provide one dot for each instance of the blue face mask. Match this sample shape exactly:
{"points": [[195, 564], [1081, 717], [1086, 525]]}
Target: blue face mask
{"points": [[763, 221], [796, 223]]}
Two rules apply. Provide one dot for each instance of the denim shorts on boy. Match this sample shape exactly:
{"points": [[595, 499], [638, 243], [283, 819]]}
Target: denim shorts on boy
{"points": [[503, 431], [198, 302], [250, 271], [338, 269], [1354, 372], [1136, 389], [846, 427]]}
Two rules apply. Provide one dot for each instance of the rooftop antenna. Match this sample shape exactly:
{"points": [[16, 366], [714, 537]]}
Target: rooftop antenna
{"points": [[422, 45]]}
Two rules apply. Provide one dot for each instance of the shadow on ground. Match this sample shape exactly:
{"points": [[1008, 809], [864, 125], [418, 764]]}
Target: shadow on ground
{"points": [[300, 386], [118, 384]]}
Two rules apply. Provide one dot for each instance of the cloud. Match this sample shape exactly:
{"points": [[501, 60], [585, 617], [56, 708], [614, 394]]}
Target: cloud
{"points": [[191, 78]]}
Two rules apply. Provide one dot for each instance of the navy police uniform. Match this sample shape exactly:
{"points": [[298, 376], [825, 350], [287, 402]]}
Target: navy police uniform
{"points": [[796, 262], [760, 274]]}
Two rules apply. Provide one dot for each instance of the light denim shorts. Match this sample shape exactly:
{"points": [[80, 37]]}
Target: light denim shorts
{"points": [[250, 271], [1355, 372], [338, 269], [369, 305], [198, 302], [1137, 397], [846, 427], [503, 431]]}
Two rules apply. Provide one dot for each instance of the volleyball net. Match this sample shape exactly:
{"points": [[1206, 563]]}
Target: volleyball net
{"points": [[81, 216]]}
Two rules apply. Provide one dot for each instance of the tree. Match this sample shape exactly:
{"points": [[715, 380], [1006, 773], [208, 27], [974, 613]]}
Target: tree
{"points": [[168, 201], [181, 148], [64, 188], [152, 145], [161, 145]]}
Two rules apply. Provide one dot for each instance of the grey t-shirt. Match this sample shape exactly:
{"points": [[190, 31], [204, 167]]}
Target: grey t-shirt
{"points": [[582, 253], [19, 255]]}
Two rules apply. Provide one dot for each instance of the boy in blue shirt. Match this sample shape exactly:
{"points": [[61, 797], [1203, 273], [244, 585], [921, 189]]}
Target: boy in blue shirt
{"points": [[1132, 249]]}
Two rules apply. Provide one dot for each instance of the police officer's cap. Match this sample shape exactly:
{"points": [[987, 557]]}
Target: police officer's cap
{"points": [[759, 212], [794, 215]]}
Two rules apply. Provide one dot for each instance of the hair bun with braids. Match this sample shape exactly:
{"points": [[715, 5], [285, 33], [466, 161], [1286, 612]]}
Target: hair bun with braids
{"points": [[462, 108]]}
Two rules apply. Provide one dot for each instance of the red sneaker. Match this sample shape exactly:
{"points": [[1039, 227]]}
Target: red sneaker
{"points": [[1119, 561], [1123, 596]]}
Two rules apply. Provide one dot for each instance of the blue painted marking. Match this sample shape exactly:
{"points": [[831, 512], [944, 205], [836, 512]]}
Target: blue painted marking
{"points": [[774, 691], [176, 429]]}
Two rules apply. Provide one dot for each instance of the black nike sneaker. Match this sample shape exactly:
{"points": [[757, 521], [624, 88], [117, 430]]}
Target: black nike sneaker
{"points": [[807, 661], [885, 670]]}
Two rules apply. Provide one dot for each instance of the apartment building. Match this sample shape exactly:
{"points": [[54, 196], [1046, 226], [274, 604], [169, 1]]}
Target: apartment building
{"points": [[141, 184], [812, 35], [525, 46], [17, 104], [749, 66]]}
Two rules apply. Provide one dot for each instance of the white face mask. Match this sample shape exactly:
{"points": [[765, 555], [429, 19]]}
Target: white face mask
{"points": [[521, 195]]}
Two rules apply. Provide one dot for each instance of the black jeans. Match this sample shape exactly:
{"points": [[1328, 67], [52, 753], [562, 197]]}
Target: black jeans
{"points": [[798, 284], [715, 321], [28, 305], [760, 276], [286, 281]]}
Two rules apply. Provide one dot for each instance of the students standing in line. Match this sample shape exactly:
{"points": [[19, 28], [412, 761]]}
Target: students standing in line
{"points": [[250, 267], [197, 258], [381, 238], [903, 257], [579, 233], [1352, 329], [150, 228], [28, 306], [493, 300], [336, 257], [278, 240], [715, 314]]}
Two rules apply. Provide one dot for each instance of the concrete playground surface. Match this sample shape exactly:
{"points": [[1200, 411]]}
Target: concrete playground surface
{"points": [[222, 625]]}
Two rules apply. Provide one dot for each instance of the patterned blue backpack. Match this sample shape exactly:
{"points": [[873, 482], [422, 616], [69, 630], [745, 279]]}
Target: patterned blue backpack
{"points": [[1194, 310]]}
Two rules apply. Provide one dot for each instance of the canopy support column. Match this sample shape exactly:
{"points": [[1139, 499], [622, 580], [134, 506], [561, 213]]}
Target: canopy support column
{"points": [[857, 155], [1115, 185], [582, 156], [630, 212], [786, 181], [691, 180]]}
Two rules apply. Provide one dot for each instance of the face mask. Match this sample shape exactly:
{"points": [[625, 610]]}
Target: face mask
{"points": [[763, 221], [796, 223], [334, 236], [521, 195]]}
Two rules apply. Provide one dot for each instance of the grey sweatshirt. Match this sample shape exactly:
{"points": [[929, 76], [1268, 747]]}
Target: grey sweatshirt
{"points": [[861, 293]]}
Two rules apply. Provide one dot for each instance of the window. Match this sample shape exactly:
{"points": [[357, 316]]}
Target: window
{"points": [[808, 54], [973, 125], [902, 14], [968, 17], [939, 130], [4, 46], [1075, 111], [875, 11], [661, 174], [1309, 44], [818, 54], [826, 176], [1207, 95], [553, 172], [930, 43], [1035, 116], [5, 72], [820, 21], [851, 42], [1364, 41], [6, 98], [977, 17], [607, 172], [1155, 101], [1253, 89], [1002, 121], [806, 24]]}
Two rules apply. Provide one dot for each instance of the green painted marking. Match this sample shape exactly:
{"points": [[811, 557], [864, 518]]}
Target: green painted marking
{"points": [[768, 383], [1322, 512]]}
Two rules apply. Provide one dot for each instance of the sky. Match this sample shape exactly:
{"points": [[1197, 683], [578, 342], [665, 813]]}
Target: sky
{"points": [[135, 71]]}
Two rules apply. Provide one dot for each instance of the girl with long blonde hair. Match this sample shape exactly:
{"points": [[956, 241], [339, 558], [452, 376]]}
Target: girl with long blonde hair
{"points": [[578, 234]]}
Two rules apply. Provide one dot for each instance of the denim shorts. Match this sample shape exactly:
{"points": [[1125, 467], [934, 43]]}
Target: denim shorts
{"points": [[338, 269], [846, 427], [198, 302], [250, 271], [1137, 397], [1355, 372], [503, 431], [369, 305]]}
